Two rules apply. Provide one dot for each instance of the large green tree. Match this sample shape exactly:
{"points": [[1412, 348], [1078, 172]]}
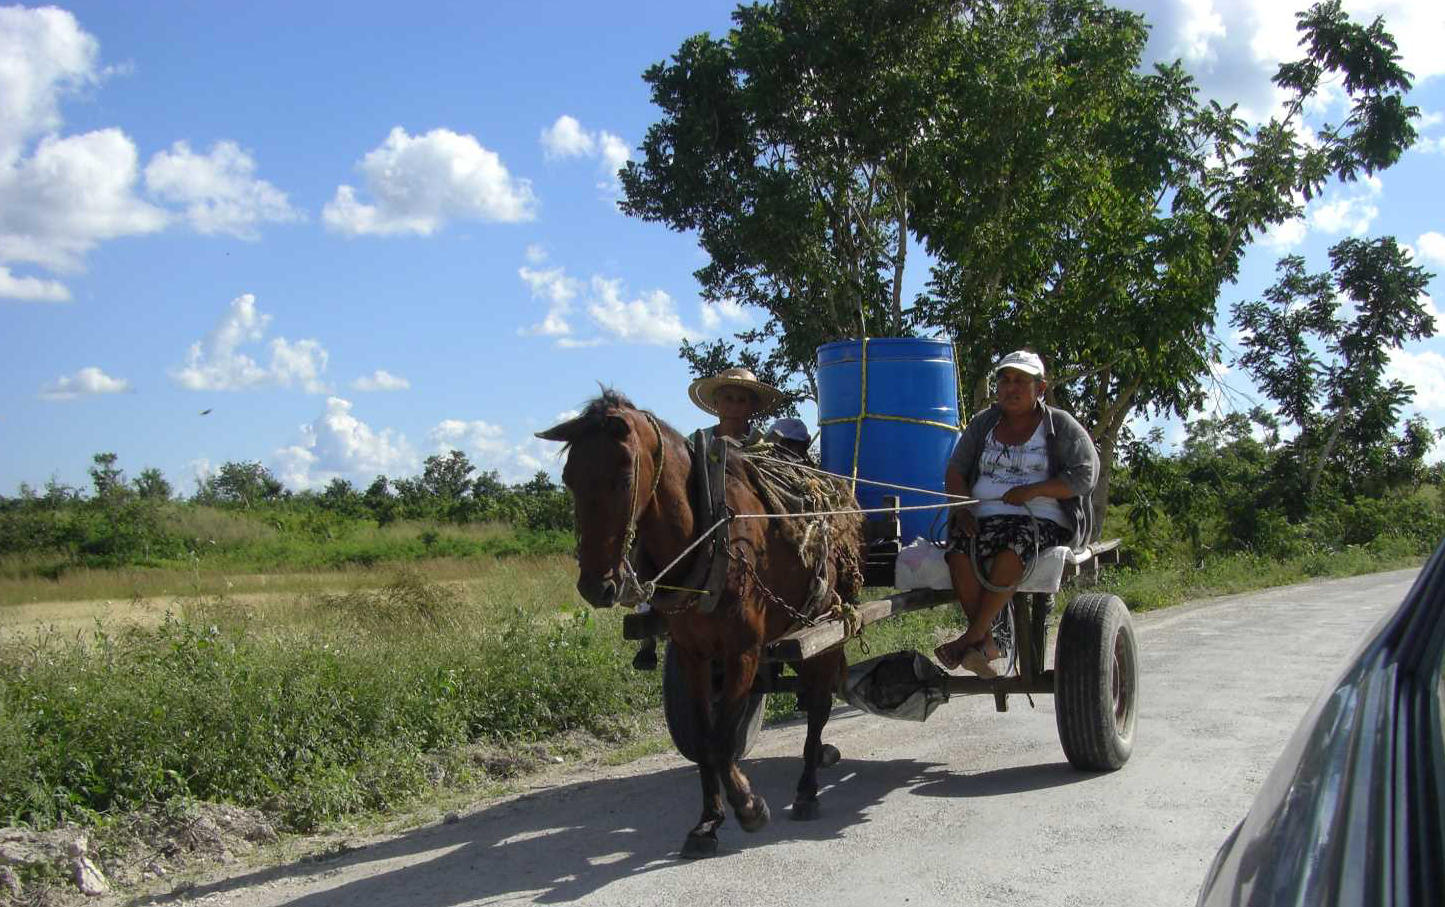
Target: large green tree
{"points": [[1071, 202]]}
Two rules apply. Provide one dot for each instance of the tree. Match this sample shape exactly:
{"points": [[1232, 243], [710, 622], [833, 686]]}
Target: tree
{"points": [[1325, 369], [1072, 202], [791, 147], [108, 479], [151, 485], [448, 478], [244, 483]]}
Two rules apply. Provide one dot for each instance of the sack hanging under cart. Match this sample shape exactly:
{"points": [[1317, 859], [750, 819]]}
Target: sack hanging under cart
{"points": [[902, 685]]}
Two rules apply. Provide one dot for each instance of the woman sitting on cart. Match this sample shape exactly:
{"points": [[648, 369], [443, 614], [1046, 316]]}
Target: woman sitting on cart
{"points": [[1031, 467]]}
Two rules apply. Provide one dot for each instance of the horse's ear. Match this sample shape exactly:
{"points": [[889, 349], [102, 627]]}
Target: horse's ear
{"points": [[563, 431]]}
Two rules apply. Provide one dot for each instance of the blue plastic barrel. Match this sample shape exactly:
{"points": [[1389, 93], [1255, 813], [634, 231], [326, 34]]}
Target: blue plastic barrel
{"points": [[909, 420]]}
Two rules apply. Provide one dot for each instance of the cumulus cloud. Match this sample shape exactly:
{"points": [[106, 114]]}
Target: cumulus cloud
{"points": [[31, 289], [728, 311], [553, 286], [489, 448], [566, 138], [1424, 371], [1431, 248], [46, 55], [1234, 47], [219, 189], [71, 194], [420, 183], [217, 362], [339, 445], [381, 380], [651, 318], [89, 381]]}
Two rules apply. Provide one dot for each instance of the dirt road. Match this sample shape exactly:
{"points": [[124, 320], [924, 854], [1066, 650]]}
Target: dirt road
{"points": [[973, 807]]}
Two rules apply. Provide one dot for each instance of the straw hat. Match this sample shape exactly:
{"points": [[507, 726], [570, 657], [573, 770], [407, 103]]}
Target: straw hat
{"points": [[702, 390]]}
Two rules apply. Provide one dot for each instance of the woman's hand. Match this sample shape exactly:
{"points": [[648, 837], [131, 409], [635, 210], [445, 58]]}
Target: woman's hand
{"points": [[1020, 494], [961, 519]]}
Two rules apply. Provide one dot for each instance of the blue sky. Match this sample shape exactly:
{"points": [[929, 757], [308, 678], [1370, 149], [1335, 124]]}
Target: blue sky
{"points": [[363, 233]]}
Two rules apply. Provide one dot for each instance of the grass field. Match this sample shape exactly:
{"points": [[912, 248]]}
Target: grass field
{"points": [[320, 695]]}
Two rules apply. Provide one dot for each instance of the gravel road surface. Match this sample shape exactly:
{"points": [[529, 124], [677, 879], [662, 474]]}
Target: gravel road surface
{"points": [[972, 808]]}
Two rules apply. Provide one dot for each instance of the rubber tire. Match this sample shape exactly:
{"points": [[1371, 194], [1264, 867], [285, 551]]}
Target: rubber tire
{"points": [[1096, 642], [683, 724]]}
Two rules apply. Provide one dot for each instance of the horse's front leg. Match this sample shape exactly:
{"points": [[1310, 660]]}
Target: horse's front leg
{"points": [[702, 839], [817, 678], [738, 675]]}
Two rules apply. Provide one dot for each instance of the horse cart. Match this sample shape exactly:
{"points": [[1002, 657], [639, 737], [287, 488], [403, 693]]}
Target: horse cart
{"points": [[1094, 678], [748, 576]]}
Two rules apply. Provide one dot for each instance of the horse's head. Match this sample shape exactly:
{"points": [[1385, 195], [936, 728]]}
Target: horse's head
{"points": [[613, 461]]}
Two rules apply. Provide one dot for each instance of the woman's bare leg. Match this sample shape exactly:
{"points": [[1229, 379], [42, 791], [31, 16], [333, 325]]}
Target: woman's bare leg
{"points": [[1007, 569]]}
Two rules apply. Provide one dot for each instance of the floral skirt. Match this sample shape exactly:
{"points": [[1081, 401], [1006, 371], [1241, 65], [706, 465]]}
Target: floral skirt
{"points": [[1012, 532]]}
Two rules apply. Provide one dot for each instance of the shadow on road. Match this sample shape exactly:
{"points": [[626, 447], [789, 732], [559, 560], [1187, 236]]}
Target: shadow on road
{"points": [[562, 844]]}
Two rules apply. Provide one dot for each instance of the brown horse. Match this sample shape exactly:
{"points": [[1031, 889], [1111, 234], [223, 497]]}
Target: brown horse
{"points": [[628, 471]]}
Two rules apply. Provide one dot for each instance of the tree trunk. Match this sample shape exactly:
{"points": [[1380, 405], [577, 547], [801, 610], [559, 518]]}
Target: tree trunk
{"points": [[1106, 438], [899, 258], [1325, 456]]}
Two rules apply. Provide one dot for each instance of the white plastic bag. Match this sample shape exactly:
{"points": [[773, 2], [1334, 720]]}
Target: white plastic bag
{"points": [[921, 566]]}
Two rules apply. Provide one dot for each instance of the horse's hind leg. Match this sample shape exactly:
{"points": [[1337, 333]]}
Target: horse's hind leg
{"points": [[816, 679]]}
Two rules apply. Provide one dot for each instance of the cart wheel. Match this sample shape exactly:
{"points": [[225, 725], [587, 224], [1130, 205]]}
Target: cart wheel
{"points": [[685, 726], [1096, 682], [1003, 630]]}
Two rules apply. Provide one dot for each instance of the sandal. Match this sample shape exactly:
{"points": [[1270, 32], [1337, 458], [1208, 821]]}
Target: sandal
{"points": [[947, 657], [975, 659]]}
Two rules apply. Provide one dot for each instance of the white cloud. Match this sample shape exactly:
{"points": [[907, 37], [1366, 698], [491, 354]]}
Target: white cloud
{"points": [[651, 318], [88, 381], [558, 290], [1431, 247], [338, 444], [1425, 371], [219, 189], [1429, 146], [381, 380], [69, 195], [1286, 235], [715, 314], [566, 138], [535, 254], [1429, 118], [489, 448], [44, 54], [217, 362], [31, 289], [66, 194], [1234, 47], [420, 183], [1343, 215]]}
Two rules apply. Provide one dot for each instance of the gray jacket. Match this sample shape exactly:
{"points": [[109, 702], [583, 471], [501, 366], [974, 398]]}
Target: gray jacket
{"points": [[1071, 457]]}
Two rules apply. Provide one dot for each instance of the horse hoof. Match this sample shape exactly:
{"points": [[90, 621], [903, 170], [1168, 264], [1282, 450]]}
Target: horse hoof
{"points": [[804, 810], [759, 817], [698, 846], [829, 756]]}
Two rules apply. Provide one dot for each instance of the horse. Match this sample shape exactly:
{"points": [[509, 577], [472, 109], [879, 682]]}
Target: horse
{"points": [[629, 475]]}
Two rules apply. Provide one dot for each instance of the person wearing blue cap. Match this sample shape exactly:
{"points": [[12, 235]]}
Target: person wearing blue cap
{"points": [[1032, 468]]}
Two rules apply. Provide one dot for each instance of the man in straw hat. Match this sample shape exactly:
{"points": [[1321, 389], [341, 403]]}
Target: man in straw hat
{"points": [[736, 397]]}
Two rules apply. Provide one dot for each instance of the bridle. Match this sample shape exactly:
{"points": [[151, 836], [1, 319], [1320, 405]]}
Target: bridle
{"points": [[631, 591]]}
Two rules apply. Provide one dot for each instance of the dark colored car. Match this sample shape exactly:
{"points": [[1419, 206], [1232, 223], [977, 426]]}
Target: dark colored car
{"points": [[1353, 812]]}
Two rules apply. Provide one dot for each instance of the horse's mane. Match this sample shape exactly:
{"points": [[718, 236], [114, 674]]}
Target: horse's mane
{"points": [[595, 412]]}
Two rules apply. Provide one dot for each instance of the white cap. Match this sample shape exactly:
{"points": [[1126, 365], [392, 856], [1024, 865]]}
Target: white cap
{"points": [[790, 430], [1024, 361]]}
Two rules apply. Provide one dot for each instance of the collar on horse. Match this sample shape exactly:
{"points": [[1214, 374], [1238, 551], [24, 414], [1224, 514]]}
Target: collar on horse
{"points": [[703, 584]]}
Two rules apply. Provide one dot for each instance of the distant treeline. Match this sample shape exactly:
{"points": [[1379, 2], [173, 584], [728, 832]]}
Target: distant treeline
{"points": [[243, 514]]}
